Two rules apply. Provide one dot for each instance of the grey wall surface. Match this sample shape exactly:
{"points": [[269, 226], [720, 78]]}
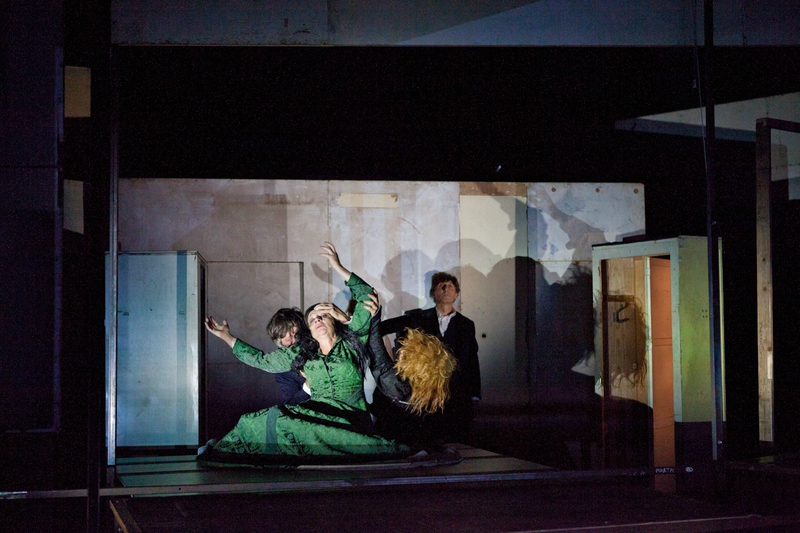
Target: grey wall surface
{"points": [[466, 22]]}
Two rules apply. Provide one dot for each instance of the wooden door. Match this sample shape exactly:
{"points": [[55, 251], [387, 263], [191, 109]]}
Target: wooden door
{"points": [[663, 395]]}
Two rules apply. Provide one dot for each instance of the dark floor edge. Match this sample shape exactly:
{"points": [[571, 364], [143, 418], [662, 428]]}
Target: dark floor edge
{"points": [[695, 525], [301, 486]]}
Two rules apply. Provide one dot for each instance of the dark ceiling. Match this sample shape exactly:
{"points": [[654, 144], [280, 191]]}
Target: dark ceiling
{"points": [[407, 112]]}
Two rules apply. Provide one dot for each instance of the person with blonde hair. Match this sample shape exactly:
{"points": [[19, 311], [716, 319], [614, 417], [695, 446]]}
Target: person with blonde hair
{"points": [[457, 333], [426, 364], [413, 388]]}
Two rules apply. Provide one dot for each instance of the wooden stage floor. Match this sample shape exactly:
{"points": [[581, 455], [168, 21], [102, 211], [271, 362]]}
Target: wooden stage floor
{"points": [[183, 475], [484, 492]]}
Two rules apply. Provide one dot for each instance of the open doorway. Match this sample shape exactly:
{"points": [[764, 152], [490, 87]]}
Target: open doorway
{"points": [[639, 419], [652, 336]]}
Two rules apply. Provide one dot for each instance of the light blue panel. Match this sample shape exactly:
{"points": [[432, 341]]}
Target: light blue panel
{"points": [[158, 348], [579, 23], [785, 157], [643, 125], [794, 188]]}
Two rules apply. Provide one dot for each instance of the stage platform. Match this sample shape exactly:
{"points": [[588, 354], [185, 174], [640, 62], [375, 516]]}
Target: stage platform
{"points": [[183, 475], [485, 491]]}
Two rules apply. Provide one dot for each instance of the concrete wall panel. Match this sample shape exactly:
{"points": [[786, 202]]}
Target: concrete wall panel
{"points": [[398, 249], [396, 234], [566, 219]]}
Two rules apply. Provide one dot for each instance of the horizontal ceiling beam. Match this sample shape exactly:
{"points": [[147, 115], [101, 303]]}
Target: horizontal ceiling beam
{"points": [[455, 23]]}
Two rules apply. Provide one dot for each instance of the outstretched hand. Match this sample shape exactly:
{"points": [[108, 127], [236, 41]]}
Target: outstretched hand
{"points": [[329, 251], [223, 330], [215, 327]]}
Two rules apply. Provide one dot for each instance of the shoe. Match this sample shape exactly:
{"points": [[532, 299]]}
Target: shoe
{"points": [[207, 446]]}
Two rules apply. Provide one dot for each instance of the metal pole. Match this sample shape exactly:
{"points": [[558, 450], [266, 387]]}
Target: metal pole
{"points": [[112, 274], [717, 423]]}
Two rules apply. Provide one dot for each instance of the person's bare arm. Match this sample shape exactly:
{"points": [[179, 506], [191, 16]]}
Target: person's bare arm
{"points": [[329, 251]]}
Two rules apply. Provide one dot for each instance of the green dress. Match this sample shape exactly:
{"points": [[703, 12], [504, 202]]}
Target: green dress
{"points": [[334, 422]]}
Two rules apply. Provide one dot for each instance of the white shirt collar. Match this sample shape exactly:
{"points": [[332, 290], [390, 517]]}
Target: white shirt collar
{"points": [[444, 320]]}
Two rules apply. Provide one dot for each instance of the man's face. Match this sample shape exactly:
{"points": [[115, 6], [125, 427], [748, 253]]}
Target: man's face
{"points": [[445, 292], [288, 339]]}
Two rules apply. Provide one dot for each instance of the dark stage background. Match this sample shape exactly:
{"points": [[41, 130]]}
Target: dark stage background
{"points": [[441, 114], [438, 114]]}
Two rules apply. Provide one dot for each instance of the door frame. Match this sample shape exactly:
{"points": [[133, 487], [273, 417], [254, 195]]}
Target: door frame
{"points": [[691, 349]]}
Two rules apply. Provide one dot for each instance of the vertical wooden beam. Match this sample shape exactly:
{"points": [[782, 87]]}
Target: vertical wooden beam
{"points": [[764, 281], [605, 378]]}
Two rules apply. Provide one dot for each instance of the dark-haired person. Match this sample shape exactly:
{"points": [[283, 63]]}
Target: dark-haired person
{"points": [[282, 329], [333, 358], [457, 332]]}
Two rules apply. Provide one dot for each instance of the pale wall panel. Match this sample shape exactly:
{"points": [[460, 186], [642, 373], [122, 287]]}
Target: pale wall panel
{"points": [[228, 220], [566, 219], [493, 235], [397, 250]]}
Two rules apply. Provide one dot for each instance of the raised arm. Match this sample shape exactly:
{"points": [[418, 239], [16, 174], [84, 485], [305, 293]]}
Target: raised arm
{"points": [[380, 364], [329, 251], [223, 331], [362, 294], [360, 289]]}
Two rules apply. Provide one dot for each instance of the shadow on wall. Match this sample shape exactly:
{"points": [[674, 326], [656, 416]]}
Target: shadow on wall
{"points": [[560, 425], [409, 263]]}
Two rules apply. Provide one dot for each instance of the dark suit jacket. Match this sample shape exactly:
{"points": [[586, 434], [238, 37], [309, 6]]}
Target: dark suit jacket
{"points": [[459, 339], [291, 384]]}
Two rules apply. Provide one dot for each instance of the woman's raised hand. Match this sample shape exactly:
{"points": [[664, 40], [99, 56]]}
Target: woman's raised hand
{"points": [[329, 251], [333, 311], [215, 327]]}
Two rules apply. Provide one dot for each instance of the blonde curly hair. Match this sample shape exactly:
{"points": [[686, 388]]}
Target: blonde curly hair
{"points": [[426, 364]]}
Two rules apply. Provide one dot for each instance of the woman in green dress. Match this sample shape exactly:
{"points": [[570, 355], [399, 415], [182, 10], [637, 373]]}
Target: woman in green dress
{"points": [[335, 421]]}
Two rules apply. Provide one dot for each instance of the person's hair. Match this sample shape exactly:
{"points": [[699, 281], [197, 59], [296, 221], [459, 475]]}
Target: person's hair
{"points": [[309, 347], [426, 364], [441, 277], [283, 321]]}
